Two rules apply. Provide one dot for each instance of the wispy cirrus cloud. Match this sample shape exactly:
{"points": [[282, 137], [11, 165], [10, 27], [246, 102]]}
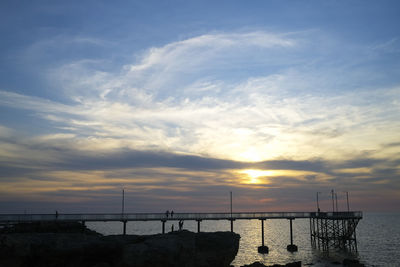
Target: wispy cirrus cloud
{"points": [[159, 72], [268, 128], [198, 50]]}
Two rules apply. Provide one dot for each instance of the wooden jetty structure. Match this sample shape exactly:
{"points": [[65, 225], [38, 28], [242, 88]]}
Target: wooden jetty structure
{"points": [[328, 230]]}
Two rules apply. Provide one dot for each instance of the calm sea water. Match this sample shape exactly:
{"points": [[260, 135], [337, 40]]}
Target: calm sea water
{"points": [[378, 236]]}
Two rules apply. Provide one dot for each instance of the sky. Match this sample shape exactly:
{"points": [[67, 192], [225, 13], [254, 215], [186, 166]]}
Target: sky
{"points": [[179, 103]]}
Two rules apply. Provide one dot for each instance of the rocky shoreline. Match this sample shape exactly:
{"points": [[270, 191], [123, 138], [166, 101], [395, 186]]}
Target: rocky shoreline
{"points": [[346, 262], [73, 245], [259, 264]]}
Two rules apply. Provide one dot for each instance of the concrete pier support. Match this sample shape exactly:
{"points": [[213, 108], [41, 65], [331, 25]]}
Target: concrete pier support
{"points": [[124, 230], [198, 225], [232, 224], [291, 247], [163, 226], [311, 236], [263, 248], [355, 239]]}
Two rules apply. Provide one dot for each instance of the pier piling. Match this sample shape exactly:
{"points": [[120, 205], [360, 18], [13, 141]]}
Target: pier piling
{"points": [[291, 247], [262, 232], [124, 230], [198, 225], [263, 248], [163, 226]]}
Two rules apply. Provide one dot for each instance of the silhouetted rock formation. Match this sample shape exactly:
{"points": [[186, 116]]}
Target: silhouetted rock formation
{"points": [[259, 264], [352, 263], [181, 248], [49, 227]]}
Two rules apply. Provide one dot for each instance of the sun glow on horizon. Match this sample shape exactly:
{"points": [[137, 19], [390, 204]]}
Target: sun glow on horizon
{"points": [[253, 175]]}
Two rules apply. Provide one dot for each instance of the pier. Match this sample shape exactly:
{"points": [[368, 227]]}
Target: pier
{"points": [[328, 230]]}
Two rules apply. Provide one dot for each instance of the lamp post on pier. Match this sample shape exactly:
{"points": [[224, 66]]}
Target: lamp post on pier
{"points": [[231, 214], [122, 212], [231, 204], [337, 209], [123, 202], [318, 202]]}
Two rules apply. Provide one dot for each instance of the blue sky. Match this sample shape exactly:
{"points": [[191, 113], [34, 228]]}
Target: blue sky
{"points": [[181, 102]]}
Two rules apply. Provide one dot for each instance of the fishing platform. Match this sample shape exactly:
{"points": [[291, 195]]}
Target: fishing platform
{"points": [[328, 230]]}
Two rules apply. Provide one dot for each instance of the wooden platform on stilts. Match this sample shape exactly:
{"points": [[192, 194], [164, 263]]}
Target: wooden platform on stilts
{"points": [[333, 232]]}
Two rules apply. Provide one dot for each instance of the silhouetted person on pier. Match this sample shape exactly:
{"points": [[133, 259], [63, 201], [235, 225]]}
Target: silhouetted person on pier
{"points": [[172, 213], [172, 228], [56, 214]]}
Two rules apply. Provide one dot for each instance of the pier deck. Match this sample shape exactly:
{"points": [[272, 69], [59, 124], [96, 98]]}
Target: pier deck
{"points": [[16, 218]]}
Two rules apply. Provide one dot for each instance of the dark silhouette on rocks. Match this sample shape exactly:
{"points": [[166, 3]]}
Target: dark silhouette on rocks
{"points": [[76, 248]]}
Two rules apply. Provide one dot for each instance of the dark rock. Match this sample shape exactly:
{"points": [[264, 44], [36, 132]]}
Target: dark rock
{"points": [[76, 249], [183, 248], [292, 248], [255, 264], [258, 264], [48, 227], [352, 263], [216, 249], [263, 249]]}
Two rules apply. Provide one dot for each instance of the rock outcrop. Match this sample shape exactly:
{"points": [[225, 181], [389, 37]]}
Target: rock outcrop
{"points": [[352, 263], [259, 264], [183, 249]]}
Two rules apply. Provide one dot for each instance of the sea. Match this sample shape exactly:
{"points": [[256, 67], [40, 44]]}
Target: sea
{"points": [[378, 239]]}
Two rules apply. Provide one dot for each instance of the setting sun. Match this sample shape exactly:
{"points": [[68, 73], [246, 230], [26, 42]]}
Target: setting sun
{"points": [[253, 175]]}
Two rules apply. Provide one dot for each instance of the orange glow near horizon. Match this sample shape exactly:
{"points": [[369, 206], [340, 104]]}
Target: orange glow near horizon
{"points": [[253, 175]]}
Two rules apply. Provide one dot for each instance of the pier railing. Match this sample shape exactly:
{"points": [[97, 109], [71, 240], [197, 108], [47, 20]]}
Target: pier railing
{"points": [[13, 218]]}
